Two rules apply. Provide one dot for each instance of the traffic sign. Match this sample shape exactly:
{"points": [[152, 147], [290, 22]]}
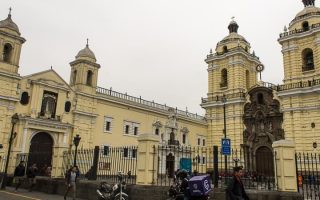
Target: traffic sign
{"points": [[226, 146]]}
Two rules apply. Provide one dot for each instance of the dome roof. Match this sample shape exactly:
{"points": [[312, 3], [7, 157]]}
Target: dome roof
{"points": [[308, 10], [8, 23], [233, 36], [86, 52]]}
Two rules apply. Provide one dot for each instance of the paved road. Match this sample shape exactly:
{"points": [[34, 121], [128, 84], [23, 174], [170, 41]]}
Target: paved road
{"points": [[10, 194]]}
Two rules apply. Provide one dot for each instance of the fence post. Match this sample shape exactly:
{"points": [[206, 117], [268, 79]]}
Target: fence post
{"points": [[215, 166], [285, 171], [147, 165], [93, 175]]}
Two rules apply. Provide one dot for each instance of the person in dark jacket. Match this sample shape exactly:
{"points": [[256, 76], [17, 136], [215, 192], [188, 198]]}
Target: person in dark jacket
{"points": [[31, 174], [235, 189], [19, 173]]}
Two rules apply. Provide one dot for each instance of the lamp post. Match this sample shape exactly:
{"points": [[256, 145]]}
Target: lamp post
{"points": [[76, 141], [14, 120], [224, 100]]}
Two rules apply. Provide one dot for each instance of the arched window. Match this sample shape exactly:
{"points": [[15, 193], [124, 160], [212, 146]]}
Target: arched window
{"points": [[305, 26], [67, 106], [24, 98], [225, 49], [224, 78], [7, 52], [260, 98], [89, 78], [184, 138], [247, 79], [307, 59], [74, 78]]}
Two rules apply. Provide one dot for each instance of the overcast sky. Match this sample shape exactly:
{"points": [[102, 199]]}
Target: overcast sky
{"points": [[149, 48]]}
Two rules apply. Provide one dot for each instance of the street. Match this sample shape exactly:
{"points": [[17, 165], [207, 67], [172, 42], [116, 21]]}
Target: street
{"points": [[10, 194]]}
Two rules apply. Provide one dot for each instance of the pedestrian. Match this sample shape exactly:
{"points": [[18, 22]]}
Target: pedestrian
{"points": [[235, 189], [19, 174], [31, 174], [48, 171], [71, 179]]}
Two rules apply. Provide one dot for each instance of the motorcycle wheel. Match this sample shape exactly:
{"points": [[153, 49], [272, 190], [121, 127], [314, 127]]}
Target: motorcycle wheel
{"points": [[122, 198]]}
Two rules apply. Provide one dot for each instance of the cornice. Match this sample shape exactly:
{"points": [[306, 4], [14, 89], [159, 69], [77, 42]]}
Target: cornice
{"points": [[46, 123], [43, 83], [18, 77], [84, 61], [299, 35], [21, 39], [9, 98], [85, 113], [226, 55], [298, 91]]}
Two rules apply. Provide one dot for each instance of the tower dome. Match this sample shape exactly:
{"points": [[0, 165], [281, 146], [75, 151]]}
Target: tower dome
{"points": [[86, 53], [232, 40], [9, 24], [309, 11]]}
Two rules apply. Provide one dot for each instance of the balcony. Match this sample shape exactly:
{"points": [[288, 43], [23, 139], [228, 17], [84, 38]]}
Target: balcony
{"points": [[173, 142]]}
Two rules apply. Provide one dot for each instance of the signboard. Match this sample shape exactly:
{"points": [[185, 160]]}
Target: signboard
{"points": [[226, 146]]}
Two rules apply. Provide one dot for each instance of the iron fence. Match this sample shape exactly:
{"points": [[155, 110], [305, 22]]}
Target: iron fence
{"points": [[201, 160], [104, 163], [308, 175]]}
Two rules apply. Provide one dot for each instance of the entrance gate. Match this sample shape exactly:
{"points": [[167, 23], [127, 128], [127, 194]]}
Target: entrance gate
{"points": [[264, 161], [40, 150]]}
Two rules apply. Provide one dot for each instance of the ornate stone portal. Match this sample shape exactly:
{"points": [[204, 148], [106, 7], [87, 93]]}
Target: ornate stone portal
{"points": [[262, 119]]}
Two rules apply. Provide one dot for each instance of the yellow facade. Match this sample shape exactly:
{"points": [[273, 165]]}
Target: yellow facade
{"points": [[100, 116], [48, 105]]}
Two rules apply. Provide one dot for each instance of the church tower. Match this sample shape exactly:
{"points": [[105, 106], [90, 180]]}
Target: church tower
{"points": [[231, 72], [10, 46], [84, 71], [300, 93]]}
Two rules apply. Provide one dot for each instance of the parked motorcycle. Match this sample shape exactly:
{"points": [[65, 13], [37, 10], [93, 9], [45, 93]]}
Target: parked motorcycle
{"points": [[116, 192], [196, 188]]}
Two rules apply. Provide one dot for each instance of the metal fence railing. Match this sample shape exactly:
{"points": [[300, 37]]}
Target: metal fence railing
{"points": [[308, 175], [202, 160], [104, 163]]}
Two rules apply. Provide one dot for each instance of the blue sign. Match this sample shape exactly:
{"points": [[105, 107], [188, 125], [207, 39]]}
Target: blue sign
{"points": [[226, 146]]}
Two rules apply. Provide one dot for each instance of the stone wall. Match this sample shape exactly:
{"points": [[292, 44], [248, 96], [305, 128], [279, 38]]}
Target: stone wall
{"points": [[87, 190]]}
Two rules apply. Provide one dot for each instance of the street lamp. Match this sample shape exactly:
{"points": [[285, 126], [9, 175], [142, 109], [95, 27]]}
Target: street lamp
{"points": [[76, 141], [14, 120], [224, 100]]}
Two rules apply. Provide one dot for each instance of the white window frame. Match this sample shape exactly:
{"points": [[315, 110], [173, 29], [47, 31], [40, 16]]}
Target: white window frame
{"points": [[130, 153], [107, 119], [106, 145], [132, 127]]}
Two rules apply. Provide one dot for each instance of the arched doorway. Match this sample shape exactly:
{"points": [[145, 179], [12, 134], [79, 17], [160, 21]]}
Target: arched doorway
{"points": [[40, 150], [264, 161], [170, 165]]}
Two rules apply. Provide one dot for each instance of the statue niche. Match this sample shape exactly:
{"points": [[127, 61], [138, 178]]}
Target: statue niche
{"points": [[263, 121]]}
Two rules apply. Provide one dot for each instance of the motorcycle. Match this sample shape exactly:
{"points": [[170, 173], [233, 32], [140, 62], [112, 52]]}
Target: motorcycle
{"points": [[116, 192], [182, 188]]}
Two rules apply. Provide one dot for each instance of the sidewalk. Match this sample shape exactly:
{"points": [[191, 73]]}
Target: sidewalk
{"points": [[23, 194]]}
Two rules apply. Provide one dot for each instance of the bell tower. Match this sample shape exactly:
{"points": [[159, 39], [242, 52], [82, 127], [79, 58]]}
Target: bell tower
{"points": [[300, 44], [84, 71], [10, 45], [231, 73], [299, 94]]}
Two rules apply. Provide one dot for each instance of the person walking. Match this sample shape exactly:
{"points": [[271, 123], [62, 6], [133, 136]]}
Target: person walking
{"points": [[19, 173], [71, 179], [235, 189], [31, 174]]}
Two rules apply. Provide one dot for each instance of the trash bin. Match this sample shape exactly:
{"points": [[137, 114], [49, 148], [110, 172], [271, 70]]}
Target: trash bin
{"points": [[200, 185]]}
